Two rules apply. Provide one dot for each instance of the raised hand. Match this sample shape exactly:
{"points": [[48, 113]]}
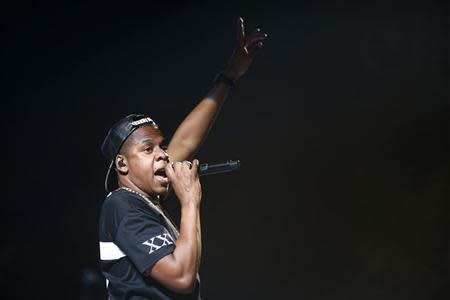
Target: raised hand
{"points": [[246, 48]]}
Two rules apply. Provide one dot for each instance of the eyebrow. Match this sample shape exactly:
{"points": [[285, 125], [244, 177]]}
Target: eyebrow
{"points": [[150, 141]]}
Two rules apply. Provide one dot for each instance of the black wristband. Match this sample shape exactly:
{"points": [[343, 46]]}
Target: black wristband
{"points": [[221, 77]]}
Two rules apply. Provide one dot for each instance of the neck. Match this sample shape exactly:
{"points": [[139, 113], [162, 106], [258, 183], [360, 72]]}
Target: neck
{"points": [[133, 187], [152, 199], [126, 183]]}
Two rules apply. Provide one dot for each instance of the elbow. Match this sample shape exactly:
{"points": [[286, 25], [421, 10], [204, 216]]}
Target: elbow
{"points": [[175, 276], [185, 284], [187, 145]]}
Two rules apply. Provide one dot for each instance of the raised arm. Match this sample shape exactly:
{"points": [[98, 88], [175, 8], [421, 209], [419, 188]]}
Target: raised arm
{"points": [[191, 133]]}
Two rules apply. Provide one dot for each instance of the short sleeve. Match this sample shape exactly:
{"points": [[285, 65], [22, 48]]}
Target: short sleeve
{"points": [[143, 239]]}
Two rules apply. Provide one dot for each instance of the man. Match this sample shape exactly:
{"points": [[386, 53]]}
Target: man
{"points": [[143, 256]]}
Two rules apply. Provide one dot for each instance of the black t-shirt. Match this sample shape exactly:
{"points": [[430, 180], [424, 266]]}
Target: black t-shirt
{"points": [[133, 237]]}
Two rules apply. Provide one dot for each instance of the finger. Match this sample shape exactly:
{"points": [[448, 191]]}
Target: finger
{"points": [[170, 171], [255, 40], [240, 31], [245, 49], [187, 164], [255, 47], [257, 31], [256, 35], [252, 40], [195, 165], [177, 166]]}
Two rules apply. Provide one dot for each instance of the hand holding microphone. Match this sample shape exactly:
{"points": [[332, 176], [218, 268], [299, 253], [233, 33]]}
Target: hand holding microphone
{"points": [[184, 177], [185, 182]]}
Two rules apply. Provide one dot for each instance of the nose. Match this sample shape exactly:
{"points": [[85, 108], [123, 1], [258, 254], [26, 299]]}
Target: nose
{"points": [[162, 154]]}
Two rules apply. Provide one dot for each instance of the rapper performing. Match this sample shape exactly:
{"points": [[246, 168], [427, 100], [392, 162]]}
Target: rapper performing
{"points": [[143, 253]]}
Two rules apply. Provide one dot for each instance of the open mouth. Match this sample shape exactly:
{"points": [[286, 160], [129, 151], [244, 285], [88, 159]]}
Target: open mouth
{"points": [[161, 172], [160, 175]]}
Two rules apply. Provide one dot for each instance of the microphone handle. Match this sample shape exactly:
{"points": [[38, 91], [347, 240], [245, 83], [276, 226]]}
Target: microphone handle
{"points": [[210, 169]]}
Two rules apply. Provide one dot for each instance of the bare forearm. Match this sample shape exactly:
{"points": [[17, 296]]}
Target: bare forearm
{"points": [[193, 130], [187, 249], [178, 270]]}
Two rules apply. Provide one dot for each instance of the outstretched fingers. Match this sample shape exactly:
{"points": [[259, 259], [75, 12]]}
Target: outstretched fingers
{"points": [[255, 36], [252, 42], [240, 32], [255, 42]]}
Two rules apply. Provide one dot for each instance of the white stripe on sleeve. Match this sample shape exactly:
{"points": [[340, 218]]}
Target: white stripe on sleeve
{"points": [[110, 251]]}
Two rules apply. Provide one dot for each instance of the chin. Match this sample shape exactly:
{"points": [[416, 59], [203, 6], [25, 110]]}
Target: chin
{"points": [[161, 189]]}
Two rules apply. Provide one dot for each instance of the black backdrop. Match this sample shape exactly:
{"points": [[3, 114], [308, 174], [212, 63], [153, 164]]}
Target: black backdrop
{"points": [[341, 124]]}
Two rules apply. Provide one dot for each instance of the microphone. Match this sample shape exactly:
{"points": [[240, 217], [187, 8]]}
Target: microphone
{"points": [[210, 169]]}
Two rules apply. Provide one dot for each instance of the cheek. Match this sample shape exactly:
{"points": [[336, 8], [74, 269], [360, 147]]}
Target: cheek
{"points": [[142, 165]]}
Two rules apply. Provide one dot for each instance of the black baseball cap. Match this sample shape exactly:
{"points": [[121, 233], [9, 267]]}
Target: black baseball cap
{"points": [[115, 138]]}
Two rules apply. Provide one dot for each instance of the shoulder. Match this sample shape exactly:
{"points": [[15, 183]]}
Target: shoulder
{"points": [[121, 203]]}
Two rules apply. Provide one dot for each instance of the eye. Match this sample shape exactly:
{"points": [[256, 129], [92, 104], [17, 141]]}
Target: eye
{"points": [[164, 147], [149, 149]]}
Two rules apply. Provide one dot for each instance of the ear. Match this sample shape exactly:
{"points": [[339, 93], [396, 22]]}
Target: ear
{"points": [[121, 164]]}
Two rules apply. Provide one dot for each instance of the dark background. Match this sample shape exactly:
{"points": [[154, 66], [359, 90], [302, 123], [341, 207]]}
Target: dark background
{"points": [[341, 124]]}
